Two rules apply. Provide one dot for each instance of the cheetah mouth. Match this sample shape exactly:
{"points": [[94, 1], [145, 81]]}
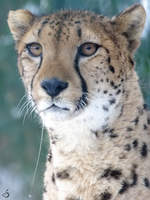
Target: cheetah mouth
{"points": [[60, 107], [56, 108]]}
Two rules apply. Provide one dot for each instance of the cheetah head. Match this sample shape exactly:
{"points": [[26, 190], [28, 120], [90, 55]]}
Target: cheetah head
{"points": [[74, 63]]}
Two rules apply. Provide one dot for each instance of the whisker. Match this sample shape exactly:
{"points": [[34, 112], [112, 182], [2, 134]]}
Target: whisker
{"points": [[37, 162], [20, 102]]}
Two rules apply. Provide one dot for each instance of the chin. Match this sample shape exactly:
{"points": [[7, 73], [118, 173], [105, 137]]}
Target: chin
{"points": [[57, 113], [55, 116]]}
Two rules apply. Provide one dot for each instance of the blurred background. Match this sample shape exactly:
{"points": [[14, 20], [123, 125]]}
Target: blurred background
{"points": [[20, 134]]}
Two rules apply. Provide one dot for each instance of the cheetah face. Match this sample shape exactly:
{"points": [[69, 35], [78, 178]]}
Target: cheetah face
{"points": [[73, 64]]}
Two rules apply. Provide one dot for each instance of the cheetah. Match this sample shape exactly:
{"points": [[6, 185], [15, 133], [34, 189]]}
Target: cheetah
{"points": [[78, 70]]}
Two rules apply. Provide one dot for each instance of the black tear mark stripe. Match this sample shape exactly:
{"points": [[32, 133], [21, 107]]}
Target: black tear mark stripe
{"points": [[38, 68], [83, 82]]}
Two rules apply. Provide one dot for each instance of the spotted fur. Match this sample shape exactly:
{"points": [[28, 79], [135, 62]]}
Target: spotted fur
{"points": [[79, 75]]}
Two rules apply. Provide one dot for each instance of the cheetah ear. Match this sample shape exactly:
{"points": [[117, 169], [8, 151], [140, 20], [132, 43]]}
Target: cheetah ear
{"points": [[19, 21], [130, 23]]}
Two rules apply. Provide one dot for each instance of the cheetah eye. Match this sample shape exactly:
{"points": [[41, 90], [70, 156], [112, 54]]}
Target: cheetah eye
{"points": [[88, 49], [34, 49]]}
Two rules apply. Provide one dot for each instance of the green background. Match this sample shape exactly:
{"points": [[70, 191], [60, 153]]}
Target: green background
{"points": [[20, 134]]}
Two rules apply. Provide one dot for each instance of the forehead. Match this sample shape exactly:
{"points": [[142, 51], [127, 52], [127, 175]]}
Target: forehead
{"points": [[67, 24]]}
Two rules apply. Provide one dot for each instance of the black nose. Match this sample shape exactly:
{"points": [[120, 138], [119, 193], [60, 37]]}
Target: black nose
{"points": [[53, 86]]}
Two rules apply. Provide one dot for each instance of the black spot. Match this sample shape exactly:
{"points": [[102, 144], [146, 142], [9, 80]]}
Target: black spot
{"points": [[53, 178], [109, 60], [112, 173], [115, 86], [145, 106], [79, 32], [124, 187], [105, 130], [105, 92], [131, 61], [134, 177], [50, 156], [112, 101], [127, 147], [95, 133], [148, 121], [118, 92], [113, 135], [111, 68], [115, 174], [125, 34], [45, 21], [144, 150], [111, 130], [147, 182], [58, 33], [135, 143], [112, 83], [121, 111], [105, 108], [106, 173], [106, 196], [62, 174], [106, 50], [136, 120], [145, 127], [129, 129], [77, 22], [42, 25], [54, 139]]}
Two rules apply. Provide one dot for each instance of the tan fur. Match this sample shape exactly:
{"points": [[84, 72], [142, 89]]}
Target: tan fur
{"points": [[101, 151]]}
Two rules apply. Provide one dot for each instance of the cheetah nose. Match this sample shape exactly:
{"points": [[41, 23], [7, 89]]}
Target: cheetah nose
{"points": [[53, 86]]}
